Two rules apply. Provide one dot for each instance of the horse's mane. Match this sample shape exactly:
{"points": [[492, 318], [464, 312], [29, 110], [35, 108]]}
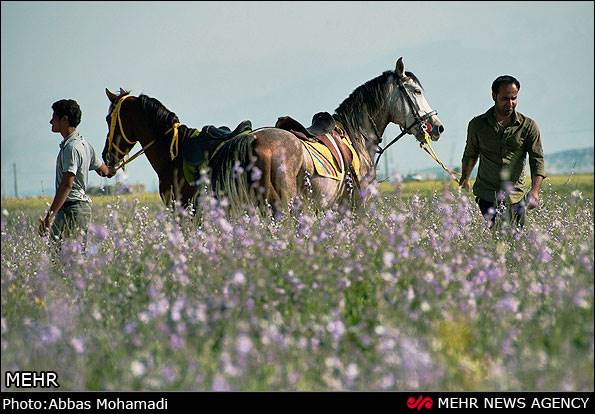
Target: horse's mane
{"points": [[367, 97], [370, 95], [159, 117]]}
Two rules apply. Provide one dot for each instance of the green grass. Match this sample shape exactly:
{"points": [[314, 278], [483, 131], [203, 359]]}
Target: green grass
{"points": [[562, 184]]}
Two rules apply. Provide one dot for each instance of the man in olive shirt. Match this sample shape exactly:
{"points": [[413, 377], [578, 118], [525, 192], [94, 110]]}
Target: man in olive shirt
{"points": [[501, 139], [70, 212]]}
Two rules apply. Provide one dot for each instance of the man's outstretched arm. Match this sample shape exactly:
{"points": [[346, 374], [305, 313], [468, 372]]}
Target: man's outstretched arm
{"points": [[106, 171]]}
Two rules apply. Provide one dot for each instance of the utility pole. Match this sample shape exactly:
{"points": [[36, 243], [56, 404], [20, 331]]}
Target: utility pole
{"points": [[386, 165], [14, 170]]}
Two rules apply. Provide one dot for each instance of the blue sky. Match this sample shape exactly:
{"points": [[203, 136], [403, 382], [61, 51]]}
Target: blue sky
{"points": [[219, 63]]}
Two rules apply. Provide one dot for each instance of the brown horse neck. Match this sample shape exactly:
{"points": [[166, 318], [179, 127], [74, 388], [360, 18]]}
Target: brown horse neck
{"points": [[170, 172]]}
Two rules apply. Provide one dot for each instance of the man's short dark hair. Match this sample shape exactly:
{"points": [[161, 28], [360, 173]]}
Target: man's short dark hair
{"points": [[504, 80], [69, 108]]}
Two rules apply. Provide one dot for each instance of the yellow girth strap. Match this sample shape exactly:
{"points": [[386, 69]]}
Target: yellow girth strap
{"points": [[355, 162], [174, 140], [355, 157]]}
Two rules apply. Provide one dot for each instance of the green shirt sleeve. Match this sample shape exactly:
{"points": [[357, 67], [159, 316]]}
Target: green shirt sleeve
{"points": [[535, 151], [472, 146]]}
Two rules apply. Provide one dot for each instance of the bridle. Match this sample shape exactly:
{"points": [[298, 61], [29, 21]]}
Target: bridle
{"points": [[117, 119], [426, 128], [418, 120]]}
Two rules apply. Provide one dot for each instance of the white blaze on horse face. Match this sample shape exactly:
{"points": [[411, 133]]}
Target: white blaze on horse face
{"points": [[423, 107]]}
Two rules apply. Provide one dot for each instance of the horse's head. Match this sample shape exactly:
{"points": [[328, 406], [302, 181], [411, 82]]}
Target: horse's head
{"points": [[118, 142], [412, 111]]}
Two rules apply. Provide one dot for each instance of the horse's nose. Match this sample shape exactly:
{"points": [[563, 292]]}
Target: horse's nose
{"points": [[437, 130]]}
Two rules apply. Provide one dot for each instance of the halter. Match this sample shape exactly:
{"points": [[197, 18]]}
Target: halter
{"points": [[116, 118], [419, 120]]}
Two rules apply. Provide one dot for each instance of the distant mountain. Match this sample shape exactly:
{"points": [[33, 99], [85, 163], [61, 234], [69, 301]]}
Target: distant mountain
{"points": [[577, 161], [566, 162]]}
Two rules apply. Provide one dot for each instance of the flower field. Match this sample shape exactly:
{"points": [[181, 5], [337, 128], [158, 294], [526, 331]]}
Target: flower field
{"points": [[414, 292]]}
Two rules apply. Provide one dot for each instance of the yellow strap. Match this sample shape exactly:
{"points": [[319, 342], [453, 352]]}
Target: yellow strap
{"points": [[355, 157], [140, 152], [355, 161], [122, 131], [112, 128], [427, 147], [119, 150], [174, 140]]}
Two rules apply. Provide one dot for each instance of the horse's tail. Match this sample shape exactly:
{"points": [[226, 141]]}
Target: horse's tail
{"points": [[233, 174]]}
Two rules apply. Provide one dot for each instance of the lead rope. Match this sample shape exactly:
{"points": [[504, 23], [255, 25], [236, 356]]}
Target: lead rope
{"points": [[139, 152], [406, 130], [427, 147]]}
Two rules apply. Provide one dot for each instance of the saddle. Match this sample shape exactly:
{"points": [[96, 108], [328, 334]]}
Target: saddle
{"points": [[223, 132], [322, 123], [199, 146], [323, 130]]}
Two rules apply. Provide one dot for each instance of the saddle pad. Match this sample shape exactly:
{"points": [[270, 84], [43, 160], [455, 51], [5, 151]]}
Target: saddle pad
{"points": [[324, 163]]}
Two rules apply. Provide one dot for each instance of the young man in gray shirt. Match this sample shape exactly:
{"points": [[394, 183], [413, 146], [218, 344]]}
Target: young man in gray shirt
{"points": [[70, 212]]}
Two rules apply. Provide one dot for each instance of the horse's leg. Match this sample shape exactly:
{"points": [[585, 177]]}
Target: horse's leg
{"points": [[283, 179], [325, 191], [287, 165], [264, 164], [179, 187], [165, 192], [279, 155]]}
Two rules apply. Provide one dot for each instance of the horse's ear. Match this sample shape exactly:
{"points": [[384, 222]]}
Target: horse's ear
{"points": [[112, 97], [123, 92], [400, 69]]}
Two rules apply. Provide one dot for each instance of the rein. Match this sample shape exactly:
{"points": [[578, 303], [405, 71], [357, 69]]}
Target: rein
{"points": [[425, 145], [122, 163], [405, 131]]}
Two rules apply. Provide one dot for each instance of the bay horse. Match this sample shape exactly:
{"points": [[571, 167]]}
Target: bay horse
{"points": [[285, 168]]}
